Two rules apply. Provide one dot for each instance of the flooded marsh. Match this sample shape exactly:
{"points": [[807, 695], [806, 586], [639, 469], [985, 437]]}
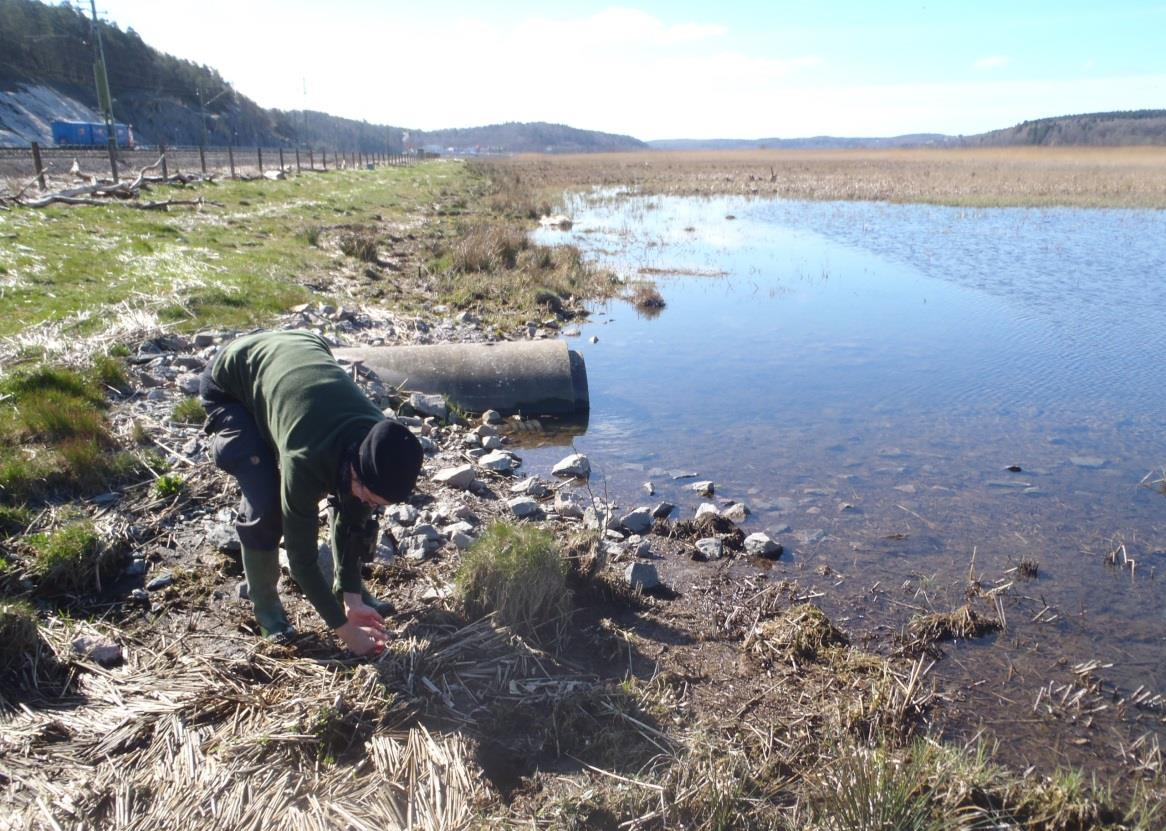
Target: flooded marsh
{"points": [[929, 408]]}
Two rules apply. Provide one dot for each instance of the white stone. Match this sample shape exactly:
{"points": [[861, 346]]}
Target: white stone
{"points": [[430, 405], [705, 488], [761, 545], [461, 541], [491, 417], [568, 505], [403, 514], [456, 477], [662, 510], [707, 509], [738, 512], [650, 488], [642, 576], [531, 486], [461, 527], [491, 442], [644, 549], [99, 649], [711, 547], [523, 506], [638, 521], [498, 460], [576, 465]]}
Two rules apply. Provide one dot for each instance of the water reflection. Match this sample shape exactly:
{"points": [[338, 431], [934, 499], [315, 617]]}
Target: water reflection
{"points": [[863, 375]]}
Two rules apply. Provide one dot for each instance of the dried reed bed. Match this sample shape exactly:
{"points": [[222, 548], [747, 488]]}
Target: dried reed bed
{"points": [[1132, 177]]}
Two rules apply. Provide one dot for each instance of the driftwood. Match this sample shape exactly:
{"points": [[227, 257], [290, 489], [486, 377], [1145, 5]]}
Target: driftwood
{"points": [[103, 192]]}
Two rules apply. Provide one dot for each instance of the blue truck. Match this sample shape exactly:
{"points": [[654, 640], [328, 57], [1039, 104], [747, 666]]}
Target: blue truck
{"points": [[90, 134]]}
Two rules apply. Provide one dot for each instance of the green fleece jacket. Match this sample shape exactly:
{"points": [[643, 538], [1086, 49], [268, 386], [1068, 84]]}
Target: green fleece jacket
{"points": [[310, 412]]}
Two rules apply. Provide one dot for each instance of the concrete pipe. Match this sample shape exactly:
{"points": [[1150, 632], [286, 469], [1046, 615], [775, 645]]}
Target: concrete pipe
{"points": [[540, 377]]}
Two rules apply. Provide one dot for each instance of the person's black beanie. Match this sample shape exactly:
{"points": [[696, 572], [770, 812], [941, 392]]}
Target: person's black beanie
{"points": [[389, 460]]}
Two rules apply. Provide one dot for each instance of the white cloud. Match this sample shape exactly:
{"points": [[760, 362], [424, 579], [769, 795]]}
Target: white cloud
{"points": [[991, 62]]}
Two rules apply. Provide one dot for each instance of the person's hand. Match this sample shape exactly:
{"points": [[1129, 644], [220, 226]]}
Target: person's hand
{"points": [[362, 640], [362, 615]]}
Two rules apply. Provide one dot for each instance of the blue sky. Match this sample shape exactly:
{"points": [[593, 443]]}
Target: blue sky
{"points": [[681, 69]]}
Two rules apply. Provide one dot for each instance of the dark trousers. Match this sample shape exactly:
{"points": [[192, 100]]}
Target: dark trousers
{"points": [[239, 448]]}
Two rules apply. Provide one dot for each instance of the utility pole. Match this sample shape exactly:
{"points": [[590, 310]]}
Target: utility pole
{"points": [[104, 99]]}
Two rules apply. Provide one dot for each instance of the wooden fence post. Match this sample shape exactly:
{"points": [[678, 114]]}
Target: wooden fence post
{"points": [[231, 158], [202, 158], [259, 150], [165, 169], [324, 157], [298, 168], [281, 160], [311, 159], [111, 146], [36, 162]]}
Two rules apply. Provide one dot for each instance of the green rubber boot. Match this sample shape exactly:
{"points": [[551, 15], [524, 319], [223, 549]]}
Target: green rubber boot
{"points": [[262, 571]]}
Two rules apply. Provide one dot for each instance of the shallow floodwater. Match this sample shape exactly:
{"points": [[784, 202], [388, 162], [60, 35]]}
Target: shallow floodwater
{"points": [[862, 375]]}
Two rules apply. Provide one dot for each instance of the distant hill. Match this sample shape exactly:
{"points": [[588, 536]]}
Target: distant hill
{"points": [[534, 137], [1099, 129], [912, 140], [1108, 129], [46, 73]]}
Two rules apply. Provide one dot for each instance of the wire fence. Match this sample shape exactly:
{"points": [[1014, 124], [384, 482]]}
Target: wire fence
{"points": [[36, 163]]}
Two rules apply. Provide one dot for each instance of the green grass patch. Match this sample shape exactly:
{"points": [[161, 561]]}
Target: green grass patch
{"points": [[517, 573], [188, 411], [69, 560], [53, 433], [234, 265]]}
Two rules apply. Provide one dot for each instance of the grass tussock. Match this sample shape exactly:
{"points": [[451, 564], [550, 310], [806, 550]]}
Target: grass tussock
{"points": [[69, 560], [645, 296], [962, 623], [801, 633], [18, 635], [361, 246], [516, 573], [188, 411]]}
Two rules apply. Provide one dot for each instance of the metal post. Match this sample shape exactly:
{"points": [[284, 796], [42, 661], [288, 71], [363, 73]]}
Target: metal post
{"points": [[202, 158], [259, 150], [165, 169], [231, 158], [40, 170]]}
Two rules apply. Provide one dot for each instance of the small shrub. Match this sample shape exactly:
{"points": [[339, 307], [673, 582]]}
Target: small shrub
{"points": [[69, 560], [169, 484], [119, 350], [516, 572], [312, 235], [188, 411], [361, 246]]}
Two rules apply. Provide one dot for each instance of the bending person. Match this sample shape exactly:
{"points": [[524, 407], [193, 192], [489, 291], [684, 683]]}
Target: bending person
{"points": [[292, 427]]}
